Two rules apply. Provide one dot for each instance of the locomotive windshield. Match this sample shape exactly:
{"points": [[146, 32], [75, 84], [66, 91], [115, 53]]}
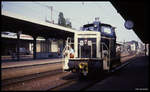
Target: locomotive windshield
{"points": [[87, 47], [106, 30]]}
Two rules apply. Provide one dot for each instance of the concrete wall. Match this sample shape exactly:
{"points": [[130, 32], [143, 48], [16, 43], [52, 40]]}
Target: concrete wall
{"points": [[54, 46]]}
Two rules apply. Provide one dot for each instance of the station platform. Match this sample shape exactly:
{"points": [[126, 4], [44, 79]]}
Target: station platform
{"points": [[133, 77], [29, 62]]}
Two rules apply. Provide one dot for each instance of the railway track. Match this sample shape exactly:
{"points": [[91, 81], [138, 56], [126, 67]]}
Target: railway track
{"points": [[69, 83], [28, 70], [16, 80], [10, 82], [26, 66], [18, 75], [86, 83], [75, 85], [80, 85]]}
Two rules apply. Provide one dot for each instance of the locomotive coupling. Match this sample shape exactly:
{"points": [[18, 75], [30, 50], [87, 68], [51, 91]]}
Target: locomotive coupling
{"points": [[84, 67]]}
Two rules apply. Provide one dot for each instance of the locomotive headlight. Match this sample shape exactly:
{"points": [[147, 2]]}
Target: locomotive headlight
{"points": [[95, 25], [81, 42], [85, 41]]}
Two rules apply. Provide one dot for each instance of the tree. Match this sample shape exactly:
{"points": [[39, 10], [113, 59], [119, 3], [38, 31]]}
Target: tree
{"points": [[61, 20], [68, 23]]}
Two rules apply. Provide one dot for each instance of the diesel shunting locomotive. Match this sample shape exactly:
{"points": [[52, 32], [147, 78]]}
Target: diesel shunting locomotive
{"points": [[91, 50]]}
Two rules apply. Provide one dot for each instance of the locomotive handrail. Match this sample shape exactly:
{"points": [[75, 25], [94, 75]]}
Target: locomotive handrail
{"points": [[108, 50], [68, 43], [103, 44]]}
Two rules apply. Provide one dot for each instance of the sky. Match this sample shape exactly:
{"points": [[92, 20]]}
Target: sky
{"points": [[79, 13]]}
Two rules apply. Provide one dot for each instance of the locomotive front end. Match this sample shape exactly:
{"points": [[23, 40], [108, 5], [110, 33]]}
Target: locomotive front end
{"points": [[91, 50], [86, 53]]}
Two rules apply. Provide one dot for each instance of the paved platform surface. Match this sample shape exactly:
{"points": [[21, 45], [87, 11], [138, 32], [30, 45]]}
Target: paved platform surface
{"points": [[29, 62], [134, 77]]}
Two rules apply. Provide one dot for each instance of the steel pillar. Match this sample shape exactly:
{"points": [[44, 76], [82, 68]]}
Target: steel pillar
{"points": [[47, 44], [18, 46], [34, 47]]}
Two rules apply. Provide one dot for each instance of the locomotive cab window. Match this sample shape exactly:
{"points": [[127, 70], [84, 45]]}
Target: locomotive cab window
{"points": [[106, 30], [87, 48]]}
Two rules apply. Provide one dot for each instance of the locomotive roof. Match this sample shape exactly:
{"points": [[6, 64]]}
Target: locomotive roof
{"points": [[92, 24]]}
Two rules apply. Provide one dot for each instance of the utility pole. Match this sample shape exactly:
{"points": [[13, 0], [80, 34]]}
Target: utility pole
{"points": [[51, 8]]}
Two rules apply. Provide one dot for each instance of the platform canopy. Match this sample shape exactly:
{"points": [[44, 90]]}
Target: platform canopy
{"points": [[14, 23], [136, 11]]}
